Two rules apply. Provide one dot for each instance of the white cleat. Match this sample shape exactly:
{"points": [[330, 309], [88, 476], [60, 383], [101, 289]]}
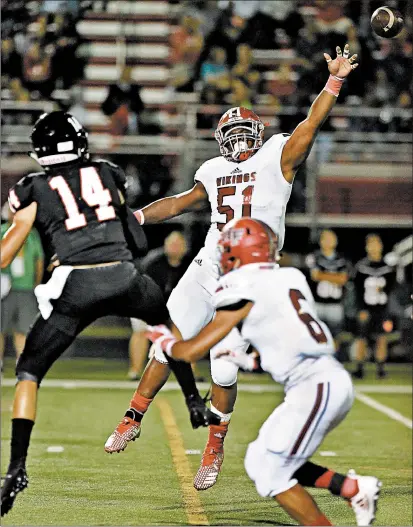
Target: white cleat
{"points": [[364, 503]]}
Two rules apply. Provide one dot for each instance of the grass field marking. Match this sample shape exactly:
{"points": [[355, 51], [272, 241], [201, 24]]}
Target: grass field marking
{"points": [[172, 386], [193, 506], [396, 416]]}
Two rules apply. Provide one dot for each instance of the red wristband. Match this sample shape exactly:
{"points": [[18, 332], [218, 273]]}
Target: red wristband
{"points": [[333, 85]]}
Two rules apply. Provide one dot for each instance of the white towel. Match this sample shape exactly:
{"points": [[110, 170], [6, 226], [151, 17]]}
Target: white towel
{"points": [[52, 289]]}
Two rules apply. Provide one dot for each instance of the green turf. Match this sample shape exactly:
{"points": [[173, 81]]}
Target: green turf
{"points": [[398, 402], [85, 486]]}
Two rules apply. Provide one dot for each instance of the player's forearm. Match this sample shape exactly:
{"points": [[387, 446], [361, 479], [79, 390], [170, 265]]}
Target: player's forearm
{"points": [[320, 110], [160, 210], [10, 245], [196, 348]]}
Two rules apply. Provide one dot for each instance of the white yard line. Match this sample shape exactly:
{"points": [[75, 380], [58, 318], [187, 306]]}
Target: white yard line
{"points": [[396, 416], [249, 388]]}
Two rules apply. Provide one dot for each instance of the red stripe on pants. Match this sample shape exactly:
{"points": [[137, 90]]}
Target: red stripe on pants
{"points": [[311, 417]]}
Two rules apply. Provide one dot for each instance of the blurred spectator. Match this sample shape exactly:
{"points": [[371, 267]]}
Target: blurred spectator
{"points": [[123, 104], [186, 45], [37, 72], [403, 123], [243, 68], [166, 266], [374, 280], [77, 106], [329, 272], [65, 39], [240, 94], [63, 6], [11, 61], [283, 84], [18, 91], [18, 305], [215, 70]]}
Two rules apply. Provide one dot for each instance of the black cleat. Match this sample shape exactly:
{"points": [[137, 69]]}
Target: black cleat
{"points": [[199, 414], [14, 482], [358, 374], [381, 374]]}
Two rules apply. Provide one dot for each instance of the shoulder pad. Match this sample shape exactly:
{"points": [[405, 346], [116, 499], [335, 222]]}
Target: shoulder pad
{"points": [[231, 291], [21, 194], [106, 162]]}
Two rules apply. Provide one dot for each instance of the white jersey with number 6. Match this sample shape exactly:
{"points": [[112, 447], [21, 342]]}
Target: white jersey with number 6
{"points": [[255, 188], [282, 325]]}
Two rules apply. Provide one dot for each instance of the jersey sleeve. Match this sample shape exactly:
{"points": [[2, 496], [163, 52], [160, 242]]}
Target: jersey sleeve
{"points": [[21, 195], [203, 174], [232, 293], [117, 172]]}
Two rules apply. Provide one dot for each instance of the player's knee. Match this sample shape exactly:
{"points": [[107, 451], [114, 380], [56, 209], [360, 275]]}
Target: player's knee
{"points": [[266, 470], [22, 375], [223, 372]]}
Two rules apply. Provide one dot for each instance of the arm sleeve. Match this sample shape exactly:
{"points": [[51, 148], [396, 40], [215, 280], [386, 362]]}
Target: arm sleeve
{"points": [[203, 174], [117, 173], [134, 234], [21, 195]]}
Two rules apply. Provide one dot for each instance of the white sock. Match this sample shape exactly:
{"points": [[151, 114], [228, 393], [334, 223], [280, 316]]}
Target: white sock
{"points": [[225, 418]]}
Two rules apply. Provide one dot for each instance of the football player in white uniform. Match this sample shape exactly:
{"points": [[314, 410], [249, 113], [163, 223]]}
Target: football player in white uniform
{"points": [[248, 179], [273, 309]]}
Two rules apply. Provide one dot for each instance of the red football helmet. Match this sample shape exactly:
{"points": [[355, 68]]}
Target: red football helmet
{"points": [[246, 241], [248, 138]]}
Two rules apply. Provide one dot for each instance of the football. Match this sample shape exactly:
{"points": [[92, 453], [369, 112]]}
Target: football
{"points": [[386, 22]]}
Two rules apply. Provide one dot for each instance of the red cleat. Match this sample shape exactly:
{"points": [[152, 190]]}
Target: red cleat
{"points": [[127, 430]]}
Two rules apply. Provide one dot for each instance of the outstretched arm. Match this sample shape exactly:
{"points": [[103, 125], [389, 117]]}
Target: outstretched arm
{"points": [[299, 145], [165, 208], [16, 235], [194, 349]]}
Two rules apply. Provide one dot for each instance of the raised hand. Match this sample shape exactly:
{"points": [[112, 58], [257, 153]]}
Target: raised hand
{"points": [[341, 66]]}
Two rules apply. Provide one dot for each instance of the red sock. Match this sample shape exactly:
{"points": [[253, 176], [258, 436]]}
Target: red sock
{"points": [[323, 482], [217, 435], [348, 489], [140, 404]]}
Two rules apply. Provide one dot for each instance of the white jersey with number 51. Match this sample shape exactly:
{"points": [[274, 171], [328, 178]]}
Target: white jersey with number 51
{"points": [[255, 188]]}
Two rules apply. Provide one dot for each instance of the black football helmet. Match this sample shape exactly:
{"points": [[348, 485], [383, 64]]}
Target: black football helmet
{"points": [[58, 139]]}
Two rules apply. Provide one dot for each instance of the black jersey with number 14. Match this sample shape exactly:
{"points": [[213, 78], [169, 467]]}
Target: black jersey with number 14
{"points": [[78, 211]]}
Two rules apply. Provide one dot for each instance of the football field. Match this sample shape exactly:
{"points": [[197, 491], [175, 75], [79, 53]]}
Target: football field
{"points": [[76, 483]]}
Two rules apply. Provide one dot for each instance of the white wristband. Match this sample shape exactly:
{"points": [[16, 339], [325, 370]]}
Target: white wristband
{"points": [[167, 347], [140, 217]]}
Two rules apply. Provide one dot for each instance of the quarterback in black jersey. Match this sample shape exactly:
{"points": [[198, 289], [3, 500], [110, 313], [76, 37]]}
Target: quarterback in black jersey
{"points": [[78, 206], [374, 280]]}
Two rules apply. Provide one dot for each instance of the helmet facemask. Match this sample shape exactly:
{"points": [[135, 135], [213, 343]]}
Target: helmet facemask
{"points": [[239, 146]]}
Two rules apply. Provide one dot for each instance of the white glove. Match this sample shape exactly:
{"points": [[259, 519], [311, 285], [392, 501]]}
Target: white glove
{"points": [[161, 336], [248, 362]]}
